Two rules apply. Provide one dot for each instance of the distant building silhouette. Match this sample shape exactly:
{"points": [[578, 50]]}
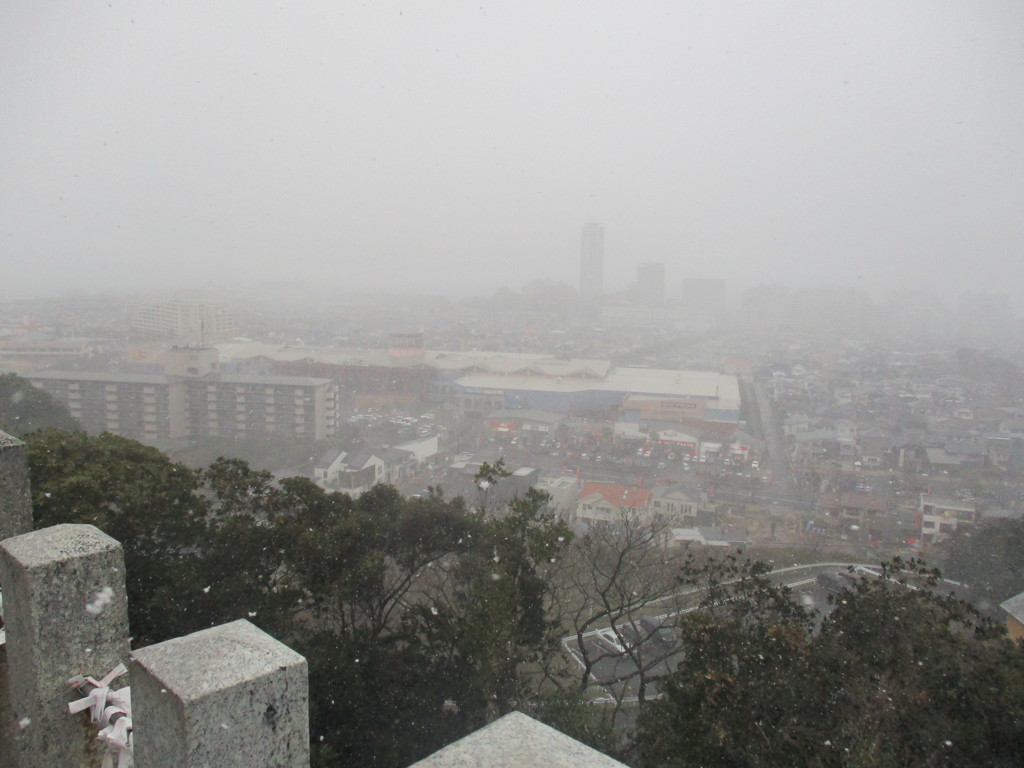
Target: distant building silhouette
{"points": [[704, 301], [189, 322], [650, 282], [984, 318], [592, 260], [765, 304]]}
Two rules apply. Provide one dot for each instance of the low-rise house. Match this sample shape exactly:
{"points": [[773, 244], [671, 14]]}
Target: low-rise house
{"points": [[675, 504], [327, 467], [971, 451], [564, 491], [939, 516], [875, 448], [796, 423], [1012, 427], [358, 472], [1002, 449], [1014, 608], [852, 508], [601, 502], [530, 425], [815, 444], [425, 450]]}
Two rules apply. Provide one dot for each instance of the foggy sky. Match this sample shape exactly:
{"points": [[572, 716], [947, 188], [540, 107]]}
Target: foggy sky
{"points": [[455, 146]]}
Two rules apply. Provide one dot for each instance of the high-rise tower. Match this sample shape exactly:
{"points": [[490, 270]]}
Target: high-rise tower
{"points": [[592, 260]]}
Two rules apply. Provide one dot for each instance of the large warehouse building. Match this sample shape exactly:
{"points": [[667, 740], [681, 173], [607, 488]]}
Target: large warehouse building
{"points": [[483, 382], [701, 395]]}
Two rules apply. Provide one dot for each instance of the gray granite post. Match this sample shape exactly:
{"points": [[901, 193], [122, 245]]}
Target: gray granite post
{"points": [[15, 501], [227, 697], [517, 741], [15, 518], [66, 614]]}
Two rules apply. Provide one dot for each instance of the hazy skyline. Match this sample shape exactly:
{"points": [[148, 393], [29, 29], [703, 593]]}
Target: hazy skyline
{"points": [[452, 147]]}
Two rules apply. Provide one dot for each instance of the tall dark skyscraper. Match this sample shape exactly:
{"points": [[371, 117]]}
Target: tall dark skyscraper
{"points": [[592, 260]]}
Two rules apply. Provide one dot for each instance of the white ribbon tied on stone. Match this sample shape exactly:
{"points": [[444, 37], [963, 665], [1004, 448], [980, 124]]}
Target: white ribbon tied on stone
{"points": [[112, 709]]}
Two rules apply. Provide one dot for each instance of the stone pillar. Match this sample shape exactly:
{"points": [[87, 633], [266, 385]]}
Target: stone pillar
{"points": [[15, 501], [227, 697], [15, 519], [66, 614], [6, 715]]}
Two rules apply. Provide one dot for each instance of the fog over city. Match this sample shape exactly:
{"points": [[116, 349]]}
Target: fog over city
{"points": [[456, 147], [412, 384]]}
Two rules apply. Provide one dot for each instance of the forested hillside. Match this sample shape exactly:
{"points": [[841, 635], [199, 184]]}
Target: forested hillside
{"points": [[424, 619]]}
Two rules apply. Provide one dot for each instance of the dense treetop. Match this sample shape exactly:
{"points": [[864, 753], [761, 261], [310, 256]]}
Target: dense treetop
{"points": [[25, 408]]}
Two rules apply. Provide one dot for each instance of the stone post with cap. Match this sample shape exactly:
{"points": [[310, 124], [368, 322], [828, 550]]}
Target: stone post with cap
{"points": [[66, 614], [227, 697]]}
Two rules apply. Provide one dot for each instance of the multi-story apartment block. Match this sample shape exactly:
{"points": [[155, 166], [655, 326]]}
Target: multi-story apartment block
{"points": [[194, 399], [123, 404], [249, 405], [188, 321]]}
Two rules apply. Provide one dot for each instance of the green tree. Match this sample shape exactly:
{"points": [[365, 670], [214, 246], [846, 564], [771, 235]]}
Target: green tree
{"points": [[896, 674], [139, 497], [365, 572], [25, 408], [461, 637], [494, 622], [486, 477], [989, 560], [737, 694], [916, 677]]}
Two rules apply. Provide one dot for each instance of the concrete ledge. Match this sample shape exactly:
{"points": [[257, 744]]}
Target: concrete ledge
{"points": [[227, 697], [517, 741]]}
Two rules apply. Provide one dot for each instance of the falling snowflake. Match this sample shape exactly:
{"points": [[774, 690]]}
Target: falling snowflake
{"points": [[100, 601]]}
